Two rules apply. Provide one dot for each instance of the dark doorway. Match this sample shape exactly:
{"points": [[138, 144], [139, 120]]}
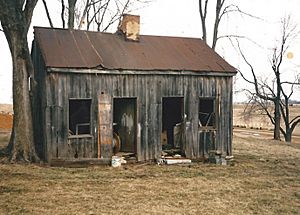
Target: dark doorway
{"points": [[172, 123], [124, 123]]}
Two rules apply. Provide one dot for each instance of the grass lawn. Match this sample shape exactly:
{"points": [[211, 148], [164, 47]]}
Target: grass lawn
{"points": [[265, 179]]}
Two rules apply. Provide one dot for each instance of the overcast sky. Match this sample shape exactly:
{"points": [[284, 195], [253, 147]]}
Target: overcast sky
{"points": [[181, 18]]}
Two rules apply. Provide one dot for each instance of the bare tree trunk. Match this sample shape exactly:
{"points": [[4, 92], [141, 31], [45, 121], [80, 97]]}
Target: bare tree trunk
{"points": [[277, 118], [288, 135], [71, 13], [22, 137], [219, 7], [203, 13], [15, 19]]}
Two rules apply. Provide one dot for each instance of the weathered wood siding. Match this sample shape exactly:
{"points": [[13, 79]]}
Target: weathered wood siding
{"points": [[148, 89]]}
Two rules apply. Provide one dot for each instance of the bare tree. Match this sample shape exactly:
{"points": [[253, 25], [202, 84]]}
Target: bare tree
{"points": [[15, 17], [221, 9], [275, 92], [95, 14], [100, 15]]}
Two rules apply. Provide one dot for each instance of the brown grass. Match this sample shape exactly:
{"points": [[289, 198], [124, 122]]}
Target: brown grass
{"points": [[265, 179]]}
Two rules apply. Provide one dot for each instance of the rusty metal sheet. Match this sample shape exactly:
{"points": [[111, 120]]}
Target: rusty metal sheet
{"points": [[83, 49], [49, 50], [87, 52]]}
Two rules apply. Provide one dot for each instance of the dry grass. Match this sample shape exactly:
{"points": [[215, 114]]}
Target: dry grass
{"points": [[265, 179]]}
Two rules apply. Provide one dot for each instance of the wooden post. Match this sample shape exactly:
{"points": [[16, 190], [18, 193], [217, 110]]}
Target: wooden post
{"points": [[105, 133]]}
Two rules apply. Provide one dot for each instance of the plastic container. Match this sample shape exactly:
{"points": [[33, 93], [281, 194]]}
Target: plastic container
{"points": [[116, 161]]}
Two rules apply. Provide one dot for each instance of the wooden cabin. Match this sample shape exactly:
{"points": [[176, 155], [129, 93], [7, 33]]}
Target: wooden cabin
{"points": [[97, 94]]}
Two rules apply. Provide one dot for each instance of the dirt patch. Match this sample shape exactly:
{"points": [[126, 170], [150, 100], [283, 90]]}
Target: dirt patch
{"points": [[264, 179]]}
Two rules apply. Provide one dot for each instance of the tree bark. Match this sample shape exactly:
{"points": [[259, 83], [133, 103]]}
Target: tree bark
{"points": [[277, 118], [203, 13], [71, 13], [23, 143], [288, 136], [15, 19], [219, 6]]}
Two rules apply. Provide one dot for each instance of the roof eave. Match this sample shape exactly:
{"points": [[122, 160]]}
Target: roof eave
{"points": [[122, 71]]}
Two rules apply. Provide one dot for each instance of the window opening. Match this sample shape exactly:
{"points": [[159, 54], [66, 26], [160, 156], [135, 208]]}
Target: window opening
{"points": [[79, 116], [207, 116]]}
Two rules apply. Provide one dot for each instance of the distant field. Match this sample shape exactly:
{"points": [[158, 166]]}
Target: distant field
{"points": [[6, 108], [259, 120]]}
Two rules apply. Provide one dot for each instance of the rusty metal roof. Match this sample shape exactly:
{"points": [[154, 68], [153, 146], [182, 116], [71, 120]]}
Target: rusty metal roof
{"points": [[64, 48]]}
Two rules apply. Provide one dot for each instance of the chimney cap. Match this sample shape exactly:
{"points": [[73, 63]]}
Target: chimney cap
{"points": [[130, 27]]}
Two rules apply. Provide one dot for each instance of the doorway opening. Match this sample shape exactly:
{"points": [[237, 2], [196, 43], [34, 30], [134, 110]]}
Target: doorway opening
{"points": [[172, 125], [125, 126]]}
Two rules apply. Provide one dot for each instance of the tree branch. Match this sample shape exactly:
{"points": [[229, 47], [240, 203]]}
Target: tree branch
{"points": [[288, 82], [62, 15], [84, 14], [254, 82], [295, 123], [28, 11], [47, 13]]}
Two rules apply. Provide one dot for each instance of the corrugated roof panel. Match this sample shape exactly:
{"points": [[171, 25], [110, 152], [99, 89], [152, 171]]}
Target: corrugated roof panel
{"points": [[69, 49], [49, 46], [82, 49], [87, 52]]}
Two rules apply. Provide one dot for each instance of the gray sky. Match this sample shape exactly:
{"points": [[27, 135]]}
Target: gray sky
{"points": [[181, 18]]}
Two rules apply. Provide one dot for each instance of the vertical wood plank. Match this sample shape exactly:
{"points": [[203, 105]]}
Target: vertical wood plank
{"points": [[105, 133]]}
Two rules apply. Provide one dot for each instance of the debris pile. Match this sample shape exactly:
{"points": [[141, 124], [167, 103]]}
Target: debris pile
{"points": [[122, 158], [216, 157], [168, 158]]}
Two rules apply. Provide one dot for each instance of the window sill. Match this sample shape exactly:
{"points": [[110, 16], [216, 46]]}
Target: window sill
{"points": [[80, 136], [207, 128]]}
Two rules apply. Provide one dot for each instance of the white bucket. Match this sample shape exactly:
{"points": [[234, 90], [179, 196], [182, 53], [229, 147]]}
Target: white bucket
{"points": [[116, 161]]}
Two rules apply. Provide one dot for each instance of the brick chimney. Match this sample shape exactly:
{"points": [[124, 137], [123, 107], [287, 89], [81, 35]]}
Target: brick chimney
{"points": [[130, 27]]}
